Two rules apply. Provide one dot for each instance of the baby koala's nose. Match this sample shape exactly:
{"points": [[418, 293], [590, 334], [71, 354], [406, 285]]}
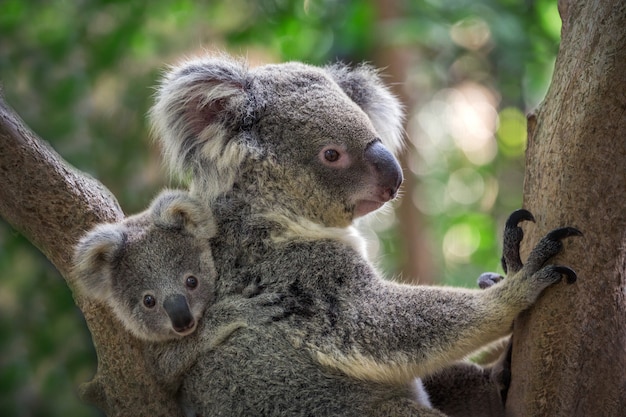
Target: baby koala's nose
{"points": [[178, 311]]}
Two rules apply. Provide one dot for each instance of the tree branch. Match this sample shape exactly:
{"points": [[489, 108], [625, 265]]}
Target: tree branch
{"points": [[53, 204]]}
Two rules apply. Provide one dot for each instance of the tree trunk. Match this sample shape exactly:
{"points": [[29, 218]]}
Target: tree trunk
{"points": [[53, 204], [569, 354]]}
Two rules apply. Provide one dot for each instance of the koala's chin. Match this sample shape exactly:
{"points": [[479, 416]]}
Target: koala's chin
{"points": [[364, 207]]}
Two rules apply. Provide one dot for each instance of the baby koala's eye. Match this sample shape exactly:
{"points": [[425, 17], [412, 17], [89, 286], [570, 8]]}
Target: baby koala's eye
{"points": [[191, 282], [331, 155], [149, 301]]}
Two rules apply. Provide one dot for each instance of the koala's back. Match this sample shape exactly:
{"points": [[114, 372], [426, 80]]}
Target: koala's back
{"points": [[258, 372], [271, 369]]}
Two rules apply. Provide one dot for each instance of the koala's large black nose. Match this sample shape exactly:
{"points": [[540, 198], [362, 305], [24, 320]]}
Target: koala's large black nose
{"points": [[386, 166], [178, 310]]}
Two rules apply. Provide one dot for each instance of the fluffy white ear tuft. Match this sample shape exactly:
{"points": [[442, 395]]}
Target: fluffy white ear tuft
{"points": [[200, 105], [178, 210], [364, 86], [94, 257]]}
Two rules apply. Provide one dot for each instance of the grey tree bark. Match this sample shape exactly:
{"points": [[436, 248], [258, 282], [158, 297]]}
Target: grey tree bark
{"points": [[569, 355]]}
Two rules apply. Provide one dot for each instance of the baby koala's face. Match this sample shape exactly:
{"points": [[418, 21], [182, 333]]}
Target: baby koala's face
{"points": [[162, 284], [154, 269]]}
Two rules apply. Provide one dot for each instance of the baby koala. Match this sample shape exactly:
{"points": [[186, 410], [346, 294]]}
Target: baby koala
{"points": [[154, 269]]}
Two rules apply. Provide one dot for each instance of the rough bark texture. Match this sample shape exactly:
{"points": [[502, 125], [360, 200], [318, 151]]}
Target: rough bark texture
{"points": [[569, 356], [53, 204]]}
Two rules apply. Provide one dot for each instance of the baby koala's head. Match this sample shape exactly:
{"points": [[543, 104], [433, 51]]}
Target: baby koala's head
{"points": [[154, 269]]}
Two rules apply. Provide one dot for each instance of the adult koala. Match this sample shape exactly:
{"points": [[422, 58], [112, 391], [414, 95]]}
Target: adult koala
{"points": [[288, 156]]}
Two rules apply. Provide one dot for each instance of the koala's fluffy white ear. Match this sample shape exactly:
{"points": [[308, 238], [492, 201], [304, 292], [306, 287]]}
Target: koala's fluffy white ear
{"points": [[94, 257], [200, 104], [178, 210], [365, 87]]}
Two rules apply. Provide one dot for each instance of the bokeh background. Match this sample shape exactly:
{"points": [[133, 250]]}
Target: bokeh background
{"points": [[81, 74]]}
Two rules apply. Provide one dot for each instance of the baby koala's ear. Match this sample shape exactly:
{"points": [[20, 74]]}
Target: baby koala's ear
{"points": [[178, 210], [94, 258], [364, 86]]}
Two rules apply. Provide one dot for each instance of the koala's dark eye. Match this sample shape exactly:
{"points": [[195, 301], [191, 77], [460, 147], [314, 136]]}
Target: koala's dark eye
{"points": [[191, 282], [331, 155], [335, 156], [149, 301]]}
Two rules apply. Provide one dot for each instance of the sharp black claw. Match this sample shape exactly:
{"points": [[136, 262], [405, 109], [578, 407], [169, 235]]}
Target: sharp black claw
{"points": [[570, 274], [513, 235], [517, 216], [563, 232]]}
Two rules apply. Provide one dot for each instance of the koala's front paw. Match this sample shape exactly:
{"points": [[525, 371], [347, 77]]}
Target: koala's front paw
{"points": [[535, 272], [266, 306], [272, 307], [552, 274], [253, 289], [540, 275], [511, 261], [549, 246]]}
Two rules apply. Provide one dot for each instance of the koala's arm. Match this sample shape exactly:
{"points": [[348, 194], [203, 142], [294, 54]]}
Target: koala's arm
{"points": [[402, 331], [174, 358], [468, 390]]}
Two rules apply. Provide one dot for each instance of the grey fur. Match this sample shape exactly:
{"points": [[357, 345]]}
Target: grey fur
{"points": [[350, 343]]}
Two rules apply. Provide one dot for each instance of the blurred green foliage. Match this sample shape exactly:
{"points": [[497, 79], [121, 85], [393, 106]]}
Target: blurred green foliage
{"points": [[81, 75]]}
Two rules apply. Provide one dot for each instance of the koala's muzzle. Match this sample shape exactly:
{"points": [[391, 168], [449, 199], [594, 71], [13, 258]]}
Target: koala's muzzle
{"points": [[386, 167], [178, 310]]}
